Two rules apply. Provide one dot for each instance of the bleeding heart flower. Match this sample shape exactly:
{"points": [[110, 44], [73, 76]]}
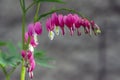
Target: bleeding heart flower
{"points": [[38, 28]]}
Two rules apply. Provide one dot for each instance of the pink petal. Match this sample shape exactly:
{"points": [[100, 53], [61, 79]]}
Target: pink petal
{"points": [[23, 53], [30, 29], [55, 19], [38, 28], [50, 25], [33, 42]]}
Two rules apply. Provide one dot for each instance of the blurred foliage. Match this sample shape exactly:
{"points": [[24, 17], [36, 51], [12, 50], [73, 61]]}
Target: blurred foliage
{"points": [[12, 56], [42, 60], [2, 43]]}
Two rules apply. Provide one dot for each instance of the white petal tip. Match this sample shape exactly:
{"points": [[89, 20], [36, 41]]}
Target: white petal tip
{"points": [[51, 35]]}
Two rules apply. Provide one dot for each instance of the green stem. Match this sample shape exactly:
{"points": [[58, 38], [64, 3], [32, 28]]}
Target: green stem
{"points": [[30, 6], [3, 69], [7, 77], [23, 29], [23, 69], [61, 9], [10, 73], [37, 11]]}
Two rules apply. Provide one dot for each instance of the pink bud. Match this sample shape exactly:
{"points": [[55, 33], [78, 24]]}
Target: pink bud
{"points": [[55, 19], [32, 65], [23, 53], [29, 54], [33, 42], [31, 29], [61, 23], [38, 28], [69, 21], [86, 25], [49, 25], [78, 21]]}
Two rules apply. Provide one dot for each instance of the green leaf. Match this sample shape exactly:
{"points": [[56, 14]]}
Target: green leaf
{"points": [[11, 48], [42, 60], [3, 43], [12, 61], [2, 59], [6, 60], [58, 1], [44, 64], [11, 58]]}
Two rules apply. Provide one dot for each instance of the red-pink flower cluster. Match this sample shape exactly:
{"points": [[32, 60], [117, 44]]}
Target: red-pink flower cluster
{"points": [[34, 29], [72, 21]]}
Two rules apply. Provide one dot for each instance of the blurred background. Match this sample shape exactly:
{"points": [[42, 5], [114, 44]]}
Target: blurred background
{"points": [[77, 57]]}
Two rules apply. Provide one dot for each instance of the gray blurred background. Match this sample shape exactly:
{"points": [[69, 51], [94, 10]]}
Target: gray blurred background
{"points": [[77, 57]]}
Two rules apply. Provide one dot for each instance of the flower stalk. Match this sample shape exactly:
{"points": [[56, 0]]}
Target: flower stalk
{"points": [[23, 69]]}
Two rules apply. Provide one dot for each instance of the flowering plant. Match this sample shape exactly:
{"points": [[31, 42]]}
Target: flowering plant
{"points": [[55, 25]]}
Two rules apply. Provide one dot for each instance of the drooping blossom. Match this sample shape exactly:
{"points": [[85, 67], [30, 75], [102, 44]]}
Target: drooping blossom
{"points": [[54, 19], [95, 28], [78, 23], [38, 28], [55, 22], [69, 22], [29, 61], [50, 28], [61, 23], [73, 22], [34, 29]]}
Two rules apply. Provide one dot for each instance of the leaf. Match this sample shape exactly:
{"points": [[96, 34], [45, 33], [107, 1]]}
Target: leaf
{"points": [[12, 50], [12, 61], [44, 64], [3, 43], [6, 60], [11, 58], [2, 61], [58, 1], [42, 60]]}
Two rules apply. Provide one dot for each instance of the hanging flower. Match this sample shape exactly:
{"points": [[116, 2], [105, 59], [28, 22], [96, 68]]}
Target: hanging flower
{"points": [[31, 29], [72, 21], [50, 27], [38, 28], [78, 23], [34, 29], [29, 61], [69, 21], [61, 23], [95, 28]]}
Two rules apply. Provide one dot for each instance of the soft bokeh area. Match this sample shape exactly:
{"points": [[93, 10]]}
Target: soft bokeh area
{"points": [[77, 57]]}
